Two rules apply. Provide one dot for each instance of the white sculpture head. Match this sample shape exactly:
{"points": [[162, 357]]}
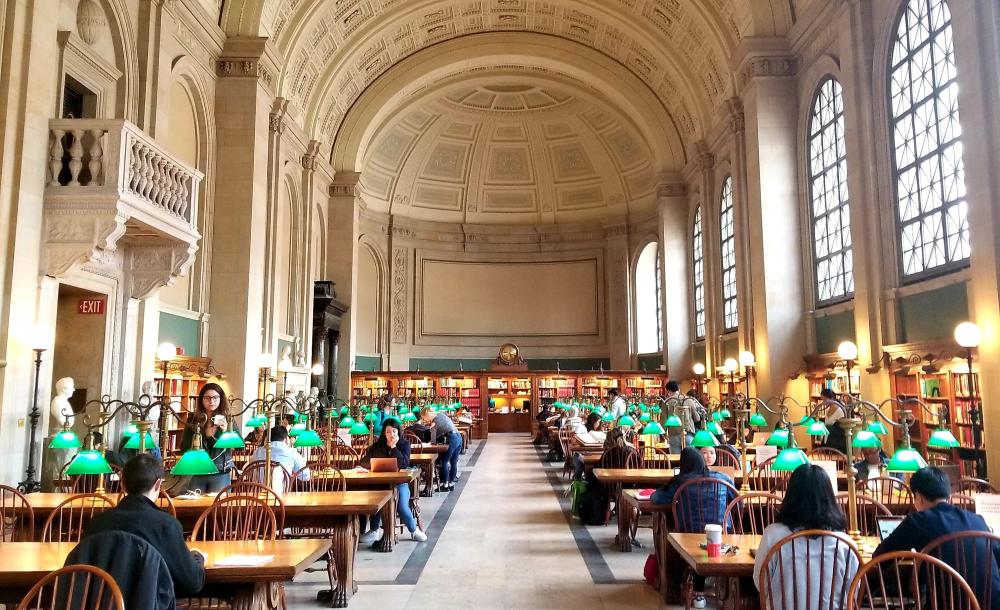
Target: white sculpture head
{"points": [[314, 392], [148, 387], [65, 387]]}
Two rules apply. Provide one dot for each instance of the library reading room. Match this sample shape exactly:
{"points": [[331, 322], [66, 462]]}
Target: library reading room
{"points": [[500, 304]]}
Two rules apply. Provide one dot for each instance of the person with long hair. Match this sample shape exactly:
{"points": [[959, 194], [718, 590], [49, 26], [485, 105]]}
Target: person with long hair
{"points": [[212, 414], [809, 504], [391, 444]]}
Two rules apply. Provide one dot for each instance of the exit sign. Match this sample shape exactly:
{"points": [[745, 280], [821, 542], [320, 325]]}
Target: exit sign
{"points": [[88, 307]]}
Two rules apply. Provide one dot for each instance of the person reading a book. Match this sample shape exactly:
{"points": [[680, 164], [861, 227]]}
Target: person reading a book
{"points": [[138, 514], [592, 435]]}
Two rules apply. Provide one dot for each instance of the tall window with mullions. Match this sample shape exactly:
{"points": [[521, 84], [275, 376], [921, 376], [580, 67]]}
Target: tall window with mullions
{"points": [[727, 233], [698, 265], [928, 165], [831, 217]]}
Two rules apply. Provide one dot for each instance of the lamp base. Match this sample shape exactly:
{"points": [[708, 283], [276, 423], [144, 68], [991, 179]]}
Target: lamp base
{"points": [[29, 485]]}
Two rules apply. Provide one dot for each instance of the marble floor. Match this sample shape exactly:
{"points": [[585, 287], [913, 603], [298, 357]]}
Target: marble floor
{"points": [[501, 540]]}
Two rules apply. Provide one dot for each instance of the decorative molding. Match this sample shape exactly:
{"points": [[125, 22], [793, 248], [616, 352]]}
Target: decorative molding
{"points": [[155, 266], [672, 189], [619, 294], [737, 119], [309, 157], [754, 67], [399, 256], [246, 67]]}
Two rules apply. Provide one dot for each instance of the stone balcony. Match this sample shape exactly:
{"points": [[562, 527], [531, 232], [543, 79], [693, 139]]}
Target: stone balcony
{"points": [[115, 197]]}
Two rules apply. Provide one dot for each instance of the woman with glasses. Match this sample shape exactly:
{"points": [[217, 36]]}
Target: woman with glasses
{"points": [[213, 404]]}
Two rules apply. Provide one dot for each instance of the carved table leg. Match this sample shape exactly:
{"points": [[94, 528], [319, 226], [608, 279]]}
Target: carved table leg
{"points": [[737, 593], [384, 544], [624, 538], [428, 477], [260, 596], [345, 544]]}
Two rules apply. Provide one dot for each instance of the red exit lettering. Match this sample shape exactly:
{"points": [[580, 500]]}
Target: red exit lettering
{"points": [[91, 307]]}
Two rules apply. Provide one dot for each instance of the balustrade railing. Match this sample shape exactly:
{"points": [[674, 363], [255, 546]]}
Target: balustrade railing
{"points": [[97, 156]]}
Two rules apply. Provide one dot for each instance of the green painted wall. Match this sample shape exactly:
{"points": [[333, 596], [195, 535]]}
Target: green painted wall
{"points": [[831, 330], [182, 332], [933, 314], [367, 363]]}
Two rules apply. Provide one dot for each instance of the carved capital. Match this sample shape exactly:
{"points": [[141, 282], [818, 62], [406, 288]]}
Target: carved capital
{"points": [[244, 67], [345, 184], [766, 66], [309, 158], [737, 119]]}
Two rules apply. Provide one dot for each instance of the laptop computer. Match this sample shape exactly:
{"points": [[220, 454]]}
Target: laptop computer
{"points": [[887, 525], [384, 465]]}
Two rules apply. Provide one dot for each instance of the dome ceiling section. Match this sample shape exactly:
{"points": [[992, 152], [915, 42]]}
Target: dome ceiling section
{"points": [[334, 50], [508, 154]]}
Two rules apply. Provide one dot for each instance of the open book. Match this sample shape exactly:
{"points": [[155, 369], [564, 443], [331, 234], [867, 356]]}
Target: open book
{"points": [[244, 561]]}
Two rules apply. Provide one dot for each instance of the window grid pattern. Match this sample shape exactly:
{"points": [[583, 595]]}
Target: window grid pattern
{"points": [[727, 232], [928, 163], [831, 216], [659, 303], [699, 276]]}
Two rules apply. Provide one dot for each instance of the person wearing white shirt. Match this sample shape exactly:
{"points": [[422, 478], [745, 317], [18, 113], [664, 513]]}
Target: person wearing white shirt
{"points": [[283, 454], [693, 415], [837, 439], [616, 404]]}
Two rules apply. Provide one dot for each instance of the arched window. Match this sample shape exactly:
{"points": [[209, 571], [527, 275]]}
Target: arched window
{"points": [[698, 264], [831, 215], [928, 166], [648, 329], [727, 232]]}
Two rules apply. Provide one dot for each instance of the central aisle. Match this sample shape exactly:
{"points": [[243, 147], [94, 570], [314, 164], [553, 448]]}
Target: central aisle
{"points": [[506, 544]]}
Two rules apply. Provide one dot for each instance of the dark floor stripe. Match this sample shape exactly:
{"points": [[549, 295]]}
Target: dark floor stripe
{"points": [[417, 560], [600, 573]]}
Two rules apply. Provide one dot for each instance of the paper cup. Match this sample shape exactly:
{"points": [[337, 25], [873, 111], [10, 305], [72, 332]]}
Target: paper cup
{"points": [[713, 540]]}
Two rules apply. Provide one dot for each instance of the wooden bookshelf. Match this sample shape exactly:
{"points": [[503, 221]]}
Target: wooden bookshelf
{"points": [[416, 387], [186, 376], [643, 385], [597, 386], [466, 390], [369, 387]]}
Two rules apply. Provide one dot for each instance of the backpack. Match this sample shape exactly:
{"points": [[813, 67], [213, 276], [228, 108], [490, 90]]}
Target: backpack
{"points": [[593, 506], [576, 491]]}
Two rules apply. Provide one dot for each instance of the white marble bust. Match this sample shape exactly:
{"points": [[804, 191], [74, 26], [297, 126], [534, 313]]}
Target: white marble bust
{"points": [[60, 411]]}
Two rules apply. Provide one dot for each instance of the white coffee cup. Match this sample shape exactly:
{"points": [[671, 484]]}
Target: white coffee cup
{"points": [[713, 539]]}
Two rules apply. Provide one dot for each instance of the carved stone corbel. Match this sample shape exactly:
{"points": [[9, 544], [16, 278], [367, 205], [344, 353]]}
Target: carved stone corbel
{"points": [[76, 237], [152, 266]]}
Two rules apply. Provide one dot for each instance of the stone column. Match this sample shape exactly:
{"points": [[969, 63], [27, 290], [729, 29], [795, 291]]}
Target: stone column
{"points": [[977, 49], [151, 18], [617, 271], [675, 278], [244, 95], [766, 79], [710, 240], [342, 265]]}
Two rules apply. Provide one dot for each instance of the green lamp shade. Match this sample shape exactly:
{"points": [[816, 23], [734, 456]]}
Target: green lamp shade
{"points": [[942, 439], [347, 422], [644, 408], [877, 427], [673, 422], [726, 414], [296, 430], [344, 410], [656, 410], [360, 429], [65, 440], [645, 418], [89, 461], [194, 462], [789, 459], [757, 420], [257, 421], [133, 441], [130, 431], [308, 438], [906, 460], [608, 417], [806, 421], [717, 416], [370, 417], [229, 440], [704, 438], [818, 428], [626, 420], [778, 438], [653, 428], [866, 440], [408, 418]]}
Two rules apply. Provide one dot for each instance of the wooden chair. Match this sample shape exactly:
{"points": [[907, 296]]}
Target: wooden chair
{"points": [[361, 443], [972, 555], [751, 513], [963, 501], [260, 492], [72, 588], [764, 478], [254, 472], [891, 492], [164, 502], [323, 477], [236, 518], [343, 457], [812, 565], [70, 517], [412, 436], [907, 579], [829, 454], [724, 459], [617, 457], [564, 436], [87, 483], [970, 485], [656, 457], [691, 513], [16, 515], [869, 509]]}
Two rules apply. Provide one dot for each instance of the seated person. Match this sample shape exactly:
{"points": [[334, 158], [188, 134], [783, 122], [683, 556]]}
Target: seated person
{"points": [[593, 436], [935, 517], [463, 416], [713, 506], [809, 504], [138, 514], [391, 444], [284, 454], [874, 465], [709, 454]]}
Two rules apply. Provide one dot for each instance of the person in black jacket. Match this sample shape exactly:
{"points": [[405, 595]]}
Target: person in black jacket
{"points": [[391, 444], [138, 514], [213, 404]]}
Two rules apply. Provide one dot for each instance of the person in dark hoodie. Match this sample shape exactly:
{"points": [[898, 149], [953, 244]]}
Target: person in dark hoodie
{"points": [[391, 444], [138, 514]]}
